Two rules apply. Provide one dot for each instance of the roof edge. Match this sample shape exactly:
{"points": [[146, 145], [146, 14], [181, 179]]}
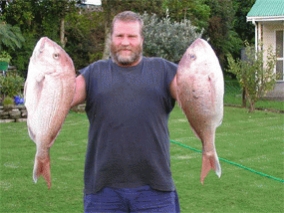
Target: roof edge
{"points": [[265, 18]]}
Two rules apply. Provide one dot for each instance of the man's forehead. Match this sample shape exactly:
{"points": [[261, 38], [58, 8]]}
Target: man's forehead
{"points": [[132, 26]]}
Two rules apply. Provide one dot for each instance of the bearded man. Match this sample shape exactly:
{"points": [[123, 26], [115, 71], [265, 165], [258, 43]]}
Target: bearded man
{"points": [[128, 101]]}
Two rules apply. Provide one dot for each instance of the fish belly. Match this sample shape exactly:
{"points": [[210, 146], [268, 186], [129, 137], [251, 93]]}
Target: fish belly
{"points": [[44, 123]]}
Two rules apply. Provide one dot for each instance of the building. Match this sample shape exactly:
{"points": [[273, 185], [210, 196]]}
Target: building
{"points": [[91, 5], [268, 19]]}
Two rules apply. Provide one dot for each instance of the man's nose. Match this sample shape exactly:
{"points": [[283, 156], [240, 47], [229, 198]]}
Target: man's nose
{"points": [[125, 41]]}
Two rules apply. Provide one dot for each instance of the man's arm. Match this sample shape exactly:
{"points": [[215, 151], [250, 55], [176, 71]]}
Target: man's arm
{"points": [[173, 88], [80, 93]]}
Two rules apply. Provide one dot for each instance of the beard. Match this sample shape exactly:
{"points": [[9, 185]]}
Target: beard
{"points": [[126, 60]]}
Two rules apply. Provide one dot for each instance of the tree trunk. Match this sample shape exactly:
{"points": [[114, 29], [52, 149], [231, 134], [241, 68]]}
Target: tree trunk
{"points": [[252, 106], [63, 40], [106, 53], [244, 101]]}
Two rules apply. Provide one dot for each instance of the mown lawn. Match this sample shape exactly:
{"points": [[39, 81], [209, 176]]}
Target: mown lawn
{"points": [[250, 147]]}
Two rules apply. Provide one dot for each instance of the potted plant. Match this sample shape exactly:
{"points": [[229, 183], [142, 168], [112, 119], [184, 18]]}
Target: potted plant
{"points": [[4, 60], [8, 103]]}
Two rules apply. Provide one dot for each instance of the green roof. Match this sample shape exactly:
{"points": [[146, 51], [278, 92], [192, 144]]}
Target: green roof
{"points": [[264, 8]]}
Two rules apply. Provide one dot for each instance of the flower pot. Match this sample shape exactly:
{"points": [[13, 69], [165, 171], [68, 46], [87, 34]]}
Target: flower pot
{"points": [[4, 65]]}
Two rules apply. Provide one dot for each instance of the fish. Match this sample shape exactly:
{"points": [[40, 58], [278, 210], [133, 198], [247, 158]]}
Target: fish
{"points": [[48, 93], [199, 87]]}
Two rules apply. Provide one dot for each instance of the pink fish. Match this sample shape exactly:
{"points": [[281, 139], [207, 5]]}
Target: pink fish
{"points": [[199, 91], [49, 91]]}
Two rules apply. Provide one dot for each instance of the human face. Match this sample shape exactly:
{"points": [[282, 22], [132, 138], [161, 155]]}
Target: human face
{"points": [[126, 43]]}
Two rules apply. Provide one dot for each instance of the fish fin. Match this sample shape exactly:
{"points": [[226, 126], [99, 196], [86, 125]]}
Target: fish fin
{"points": [[25, 89], [195, 133], [210, 161], [42, 168], [31, 133]]}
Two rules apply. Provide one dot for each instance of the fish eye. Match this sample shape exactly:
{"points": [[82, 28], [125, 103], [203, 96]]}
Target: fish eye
{"points": [[192, 56], [56, 55]]}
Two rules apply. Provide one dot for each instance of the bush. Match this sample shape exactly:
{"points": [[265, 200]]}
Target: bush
{"points": [[4, 56], [167, 39], [11, 85], [8, 101]]}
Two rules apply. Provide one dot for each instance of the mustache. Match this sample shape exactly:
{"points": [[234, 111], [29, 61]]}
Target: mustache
{"points": [[123, 48]]}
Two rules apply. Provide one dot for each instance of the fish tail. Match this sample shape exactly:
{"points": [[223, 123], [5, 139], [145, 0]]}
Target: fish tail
{"points": [[210, 161], [42, 168]]}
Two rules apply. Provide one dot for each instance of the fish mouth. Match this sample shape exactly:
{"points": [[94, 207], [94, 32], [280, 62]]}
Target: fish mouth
{"points": [[42, 44], [39, 48]]}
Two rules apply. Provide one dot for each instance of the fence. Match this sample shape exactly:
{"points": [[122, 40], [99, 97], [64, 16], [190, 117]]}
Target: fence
{"points": [[233, 97]]}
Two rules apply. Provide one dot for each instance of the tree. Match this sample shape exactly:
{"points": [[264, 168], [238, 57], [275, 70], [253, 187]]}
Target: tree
{"points": [[194, 10], [54, 13], [244, 29], [85, 33], [220, 30], [254, 74], [37, 18]]}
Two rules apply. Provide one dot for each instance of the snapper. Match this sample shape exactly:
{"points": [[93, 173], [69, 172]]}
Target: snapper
{"points": [[49, 91], [199, 89]]}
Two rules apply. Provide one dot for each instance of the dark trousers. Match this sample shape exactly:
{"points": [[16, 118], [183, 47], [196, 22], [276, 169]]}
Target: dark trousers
{"points": [[140, 199]]}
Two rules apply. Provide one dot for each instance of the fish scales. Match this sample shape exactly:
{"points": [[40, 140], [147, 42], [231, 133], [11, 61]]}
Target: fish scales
{"points": [[49, 92], [199, 90]]}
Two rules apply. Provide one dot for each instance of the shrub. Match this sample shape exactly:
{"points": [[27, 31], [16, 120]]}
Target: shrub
{"points": [[166, 38], [255, 74], [4, 56], [11, 85], [8, 101]]}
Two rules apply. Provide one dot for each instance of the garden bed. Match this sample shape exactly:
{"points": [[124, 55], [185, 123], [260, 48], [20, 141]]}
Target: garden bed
{"points": [[15, 113]]}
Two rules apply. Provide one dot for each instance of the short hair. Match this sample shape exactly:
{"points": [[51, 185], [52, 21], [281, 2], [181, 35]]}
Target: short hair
{"points": [[128, 16]]}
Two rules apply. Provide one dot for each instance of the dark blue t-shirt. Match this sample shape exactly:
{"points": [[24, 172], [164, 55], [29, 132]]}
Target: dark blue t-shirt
{"points": [[128, 110]]}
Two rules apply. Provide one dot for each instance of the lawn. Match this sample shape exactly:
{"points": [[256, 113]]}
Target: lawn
{"points": [[233, 96], [249, 145]]}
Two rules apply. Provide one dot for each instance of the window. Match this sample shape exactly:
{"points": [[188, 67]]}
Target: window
{"points": [[280, 53]]}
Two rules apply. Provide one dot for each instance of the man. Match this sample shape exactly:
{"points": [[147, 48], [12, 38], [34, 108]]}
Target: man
{"points": [[128, 101]]}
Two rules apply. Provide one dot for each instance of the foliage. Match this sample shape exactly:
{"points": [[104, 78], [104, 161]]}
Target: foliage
{"points": [[85, 33], [223, 21], [5, 56], [21, 57], [112, 7], [195, 10], [255, 74], [37, 18], [11, 36], [166, 38], [244, 29], [11, 85], [8, 101], [220, 30]]}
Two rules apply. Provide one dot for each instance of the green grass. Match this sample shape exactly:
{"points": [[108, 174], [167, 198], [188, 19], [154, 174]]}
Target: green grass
{"points": [[233, 96], [253, 140]]}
